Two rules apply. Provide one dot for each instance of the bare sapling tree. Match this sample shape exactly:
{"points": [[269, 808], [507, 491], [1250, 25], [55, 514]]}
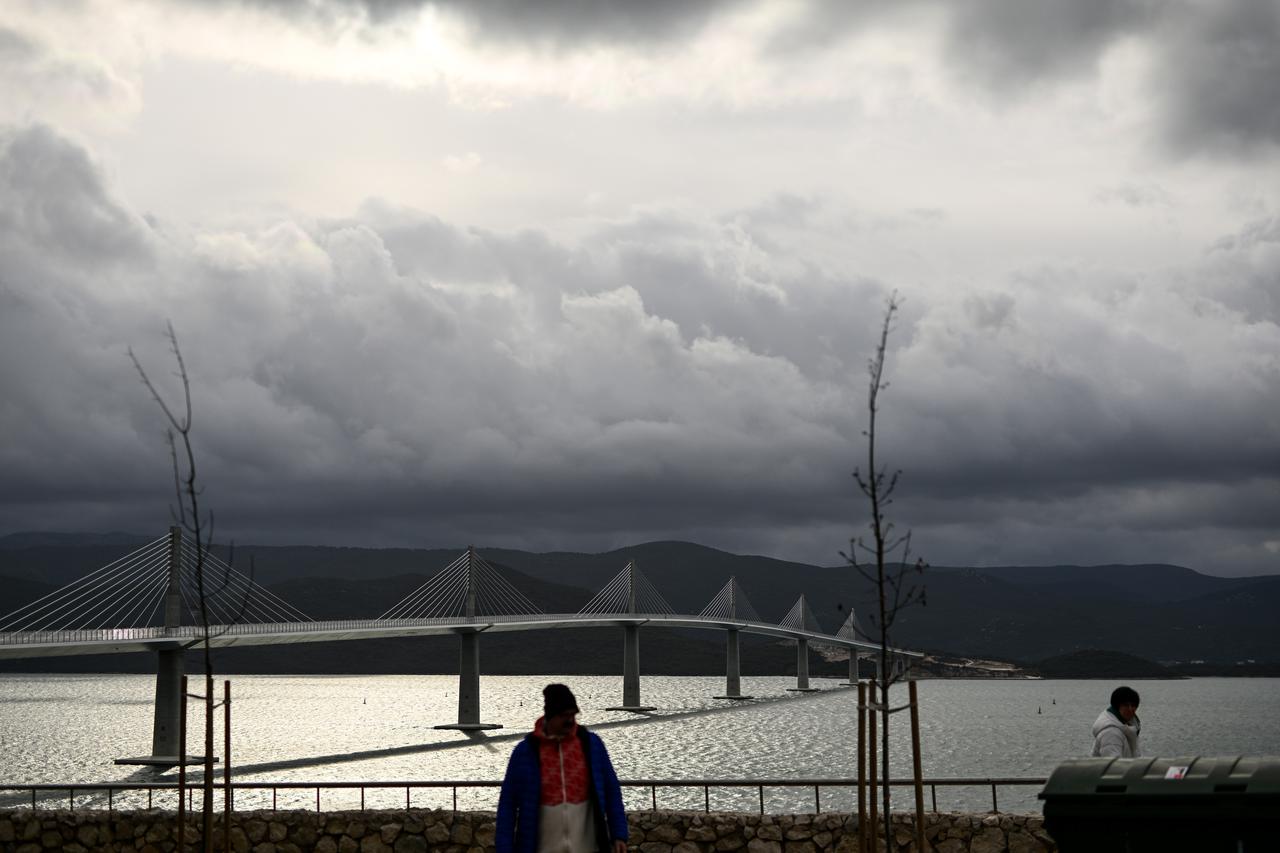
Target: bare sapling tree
{"points": [[884, 560], [198, 524]]}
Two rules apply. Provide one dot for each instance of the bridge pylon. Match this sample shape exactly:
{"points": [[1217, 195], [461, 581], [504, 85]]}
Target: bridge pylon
{"points": [[852, 630], [801, 618], [731, 605], [167, 710], [469, 658], [629, 595], [631, 652], [468, 593], [854, 657]]}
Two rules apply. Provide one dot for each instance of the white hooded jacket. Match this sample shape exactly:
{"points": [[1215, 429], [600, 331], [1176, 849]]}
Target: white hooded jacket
{"points": [[1113, 739]]}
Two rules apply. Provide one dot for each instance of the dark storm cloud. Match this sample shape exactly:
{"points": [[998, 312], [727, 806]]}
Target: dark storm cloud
{"points": [[1218, 72], [555, 22], [51, 195], [618, 21], [1000, 44], [393, 378], [1004, 46], [1008, 45], [1246, 270], [61, 237], [1212, 77], [1005, 43]]}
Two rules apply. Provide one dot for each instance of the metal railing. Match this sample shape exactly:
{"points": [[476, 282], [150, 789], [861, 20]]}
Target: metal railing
{"points": [[112, 788]]}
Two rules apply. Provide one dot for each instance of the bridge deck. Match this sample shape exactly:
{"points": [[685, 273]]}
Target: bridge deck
{"points": [[34, 644]]}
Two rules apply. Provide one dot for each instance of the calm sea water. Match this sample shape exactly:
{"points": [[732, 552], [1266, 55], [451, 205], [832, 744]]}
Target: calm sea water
{"points": [[69, 728]]}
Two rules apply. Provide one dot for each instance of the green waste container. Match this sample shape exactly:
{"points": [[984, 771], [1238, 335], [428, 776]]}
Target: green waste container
{"points": [[1136, 805]]}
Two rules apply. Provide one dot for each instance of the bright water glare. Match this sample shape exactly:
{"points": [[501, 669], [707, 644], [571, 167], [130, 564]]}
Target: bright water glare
{"points": [[70, 728]]}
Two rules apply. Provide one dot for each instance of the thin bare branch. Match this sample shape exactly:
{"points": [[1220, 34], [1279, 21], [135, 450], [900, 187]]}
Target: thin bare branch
{"points": [[886, 568], [188, 514]]}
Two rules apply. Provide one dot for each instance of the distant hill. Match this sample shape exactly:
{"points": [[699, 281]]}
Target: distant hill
{"points": [[1158, 612], [1142, 583], [1100, 663]]}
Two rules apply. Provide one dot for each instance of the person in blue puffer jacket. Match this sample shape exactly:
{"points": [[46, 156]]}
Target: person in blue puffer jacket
{"points": [[560, 793]]}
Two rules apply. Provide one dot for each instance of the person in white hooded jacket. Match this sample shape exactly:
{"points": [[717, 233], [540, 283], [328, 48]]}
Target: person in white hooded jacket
{"points": [[1115, 732]]}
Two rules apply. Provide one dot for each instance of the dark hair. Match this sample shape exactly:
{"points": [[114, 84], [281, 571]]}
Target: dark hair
{"points": [[1124, 696], [557, 698]]}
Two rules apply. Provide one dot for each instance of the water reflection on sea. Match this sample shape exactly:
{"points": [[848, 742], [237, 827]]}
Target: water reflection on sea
{"points": [[68, 728]]}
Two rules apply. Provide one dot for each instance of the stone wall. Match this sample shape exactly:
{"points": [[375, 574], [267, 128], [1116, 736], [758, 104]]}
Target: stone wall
{"points": [[417, 831]]}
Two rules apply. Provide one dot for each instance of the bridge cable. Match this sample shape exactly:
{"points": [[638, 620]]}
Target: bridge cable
{"points": [[54, 607], [409, 606], [611, 599], [69, 606], [800, 618], [83, 610], [731, 603], [501, 597], [436, 596], [136, 596], [230, 595], [615, 597], [243, 583], [427, 597], [852, 629]]}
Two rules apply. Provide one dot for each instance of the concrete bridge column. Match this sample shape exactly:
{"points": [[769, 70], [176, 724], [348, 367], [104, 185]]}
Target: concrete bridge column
{"points": [[169, 667], [853, 669], [469, 686], [168, 704], [469, 662], [468, 678], [732, 670], [631, 671], [631, 652], [631, 666], [167, 711], [802, 667]]}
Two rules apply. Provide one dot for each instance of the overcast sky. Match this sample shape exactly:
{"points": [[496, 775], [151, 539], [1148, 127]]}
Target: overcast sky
{"points": [[571, 275]]}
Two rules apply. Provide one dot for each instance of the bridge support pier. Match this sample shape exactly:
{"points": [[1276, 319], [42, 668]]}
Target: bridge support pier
{"points": [[631, 671], [165, 728], [469, 686], [469, 660], [802, 668], [854, 657], [732, 669], [167, 721], [167, 718]]}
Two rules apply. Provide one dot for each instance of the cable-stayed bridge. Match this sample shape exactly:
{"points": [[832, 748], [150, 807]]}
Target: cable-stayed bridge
{"points": [[151, 601]]}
